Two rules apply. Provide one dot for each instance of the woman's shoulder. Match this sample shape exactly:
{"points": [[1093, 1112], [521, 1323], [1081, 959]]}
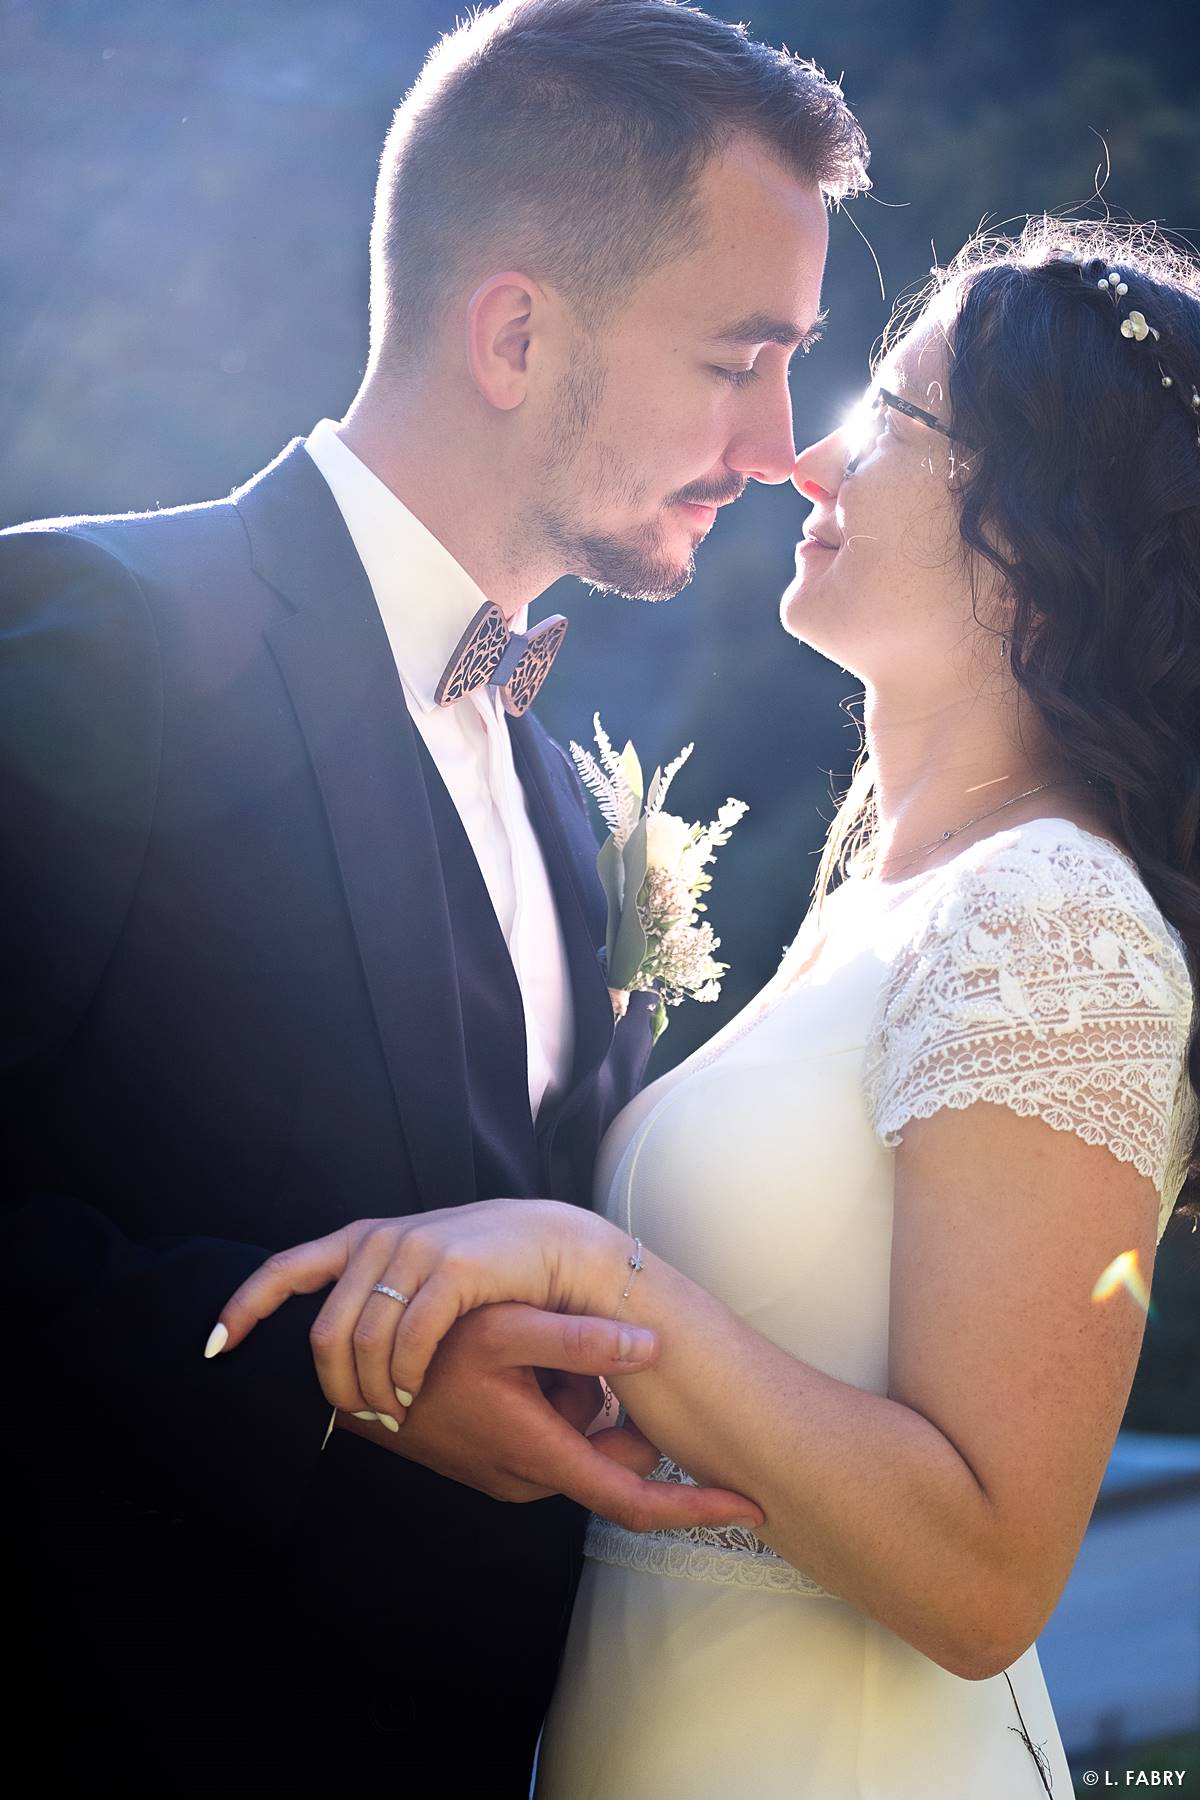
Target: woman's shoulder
{"points": [[1050, 897], [1069, 843], [1035, 970], [1051, 863]]}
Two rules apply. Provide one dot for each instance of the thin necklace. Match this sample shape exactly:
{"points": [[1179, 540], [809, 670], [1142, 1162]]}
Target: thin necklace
{"points": [[924, 849]]}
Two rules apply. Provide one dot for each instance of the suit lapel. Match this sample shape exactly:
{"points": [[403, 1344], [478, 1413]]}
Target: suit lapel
{"points": [[333, 653], [569, 848]]}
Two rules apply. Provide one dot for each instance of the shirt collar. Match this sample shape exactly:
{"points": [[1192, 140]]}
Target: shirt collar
{"points": [[425, 598]]}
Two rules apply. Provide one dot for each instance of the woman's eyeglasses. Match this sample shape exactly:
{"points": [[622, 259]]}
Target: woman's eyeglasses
{"points": [[882, 400]]}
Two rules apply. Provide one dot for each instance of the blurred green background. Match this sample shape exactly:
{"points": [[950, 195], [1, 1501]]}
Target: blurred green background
{"points": [[184, 209]]}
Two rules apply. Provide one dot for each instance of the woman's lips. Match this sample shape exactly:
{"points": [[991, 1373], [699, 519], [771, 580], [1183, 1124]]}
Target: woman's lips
{"points": [[813, 546]]}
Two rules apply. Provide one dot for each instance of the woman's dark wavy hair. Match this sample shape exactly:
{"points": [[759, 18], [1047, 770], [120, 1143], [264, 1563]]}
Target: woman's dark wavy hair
{"points": [[1085, 498]]}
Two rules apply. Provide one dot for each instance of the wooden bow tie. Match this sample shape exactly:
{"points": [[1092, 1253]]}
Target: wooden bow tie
{"points": [[488, 652]]}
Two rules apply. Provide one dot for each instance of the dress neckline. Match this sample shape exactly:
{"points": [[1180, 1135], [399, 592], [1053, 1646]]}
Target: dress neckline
{"points": [[866, 885]]}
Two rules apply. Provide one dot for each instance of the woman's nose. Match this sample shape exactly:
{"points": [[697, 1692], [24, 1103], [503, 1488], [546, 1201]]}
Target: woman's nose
{"points": [[812, 490], [819, 469]]}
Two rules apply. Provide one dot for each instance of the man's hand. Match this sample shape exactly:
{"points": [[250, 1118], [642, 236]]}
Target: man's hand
{"points": [[441, 1265], [483, 1419]]}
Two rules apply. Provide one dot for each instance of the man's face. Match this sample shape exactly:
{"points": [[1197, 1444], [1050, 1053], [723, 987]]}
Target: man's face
{"points": [[683, 397]]}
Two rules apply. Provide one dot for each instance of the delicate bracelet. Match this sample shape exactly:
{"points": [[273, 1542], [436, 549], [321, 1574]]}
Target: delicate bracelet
{"points": [[636, 1264]]}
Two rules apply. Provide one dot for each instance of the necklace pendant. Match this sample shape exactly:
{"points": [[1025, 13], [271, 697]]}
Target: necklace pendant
{"points": [[923, 849]]}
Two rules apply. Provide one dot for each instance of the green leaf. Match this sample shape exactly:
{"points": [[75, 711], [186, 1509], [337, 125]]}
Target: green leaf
{"points": [[631, 770], [611, 870], [658, 1023], [655, 784], [625, 959]]}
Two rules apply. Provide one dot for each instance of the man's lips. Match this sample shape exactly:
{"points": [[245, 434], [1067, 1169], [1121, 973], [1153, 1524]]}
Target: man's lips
{"points": [[710, 501], [699, 513], [703, 510]]}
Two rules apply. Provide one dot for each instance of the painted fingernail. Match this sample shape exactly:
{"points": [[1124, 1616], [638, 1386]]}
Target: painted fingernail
{"points": [[218, 1337], [633, 1346], [383, 1419], [750, 1524], [403, 1396]]}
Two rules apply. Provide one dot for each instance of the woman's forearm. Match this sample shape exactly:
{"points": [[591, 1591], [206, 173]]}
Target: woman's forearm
{"points": [[863, 1494]]}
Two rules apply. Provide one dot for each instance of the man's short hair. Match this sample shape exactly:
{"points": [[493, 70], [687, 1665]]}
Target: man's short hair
{"points": [[567, 138]]}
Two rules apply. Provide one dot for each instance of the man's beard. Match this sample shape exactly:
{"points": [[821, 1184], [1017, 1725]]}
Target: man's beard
{"points": [[634, 563]]}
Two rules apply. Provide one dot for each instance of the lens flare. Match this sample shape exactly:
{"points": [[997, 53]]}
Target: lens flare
{"points": [[860, 426], [1123, 1272]]}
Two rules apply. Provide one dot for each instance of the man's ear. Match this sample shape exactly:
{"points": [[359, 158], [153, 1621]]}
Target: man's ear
{"points": [[499, 321]]}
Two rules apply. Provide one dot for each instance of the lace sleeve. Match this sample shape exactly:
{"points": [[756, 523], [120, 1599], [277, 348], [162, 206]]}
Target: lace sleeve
{"points": [[1043, 978]]}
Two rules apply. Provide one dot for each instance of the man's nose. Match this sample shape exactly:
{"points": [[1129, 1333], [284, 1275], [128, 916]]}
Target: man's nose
{"points": [[765, 449]]}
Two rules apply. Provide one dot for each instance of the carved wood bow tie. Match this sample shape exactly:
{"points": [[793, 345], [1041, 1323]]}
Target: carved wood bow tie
{"points": [[489, 653]]}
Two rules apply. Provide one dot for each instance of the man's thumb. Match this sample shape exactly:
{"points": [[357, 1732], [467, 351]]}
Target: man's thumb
{"points": [[580, 1346], [624, 1347]]}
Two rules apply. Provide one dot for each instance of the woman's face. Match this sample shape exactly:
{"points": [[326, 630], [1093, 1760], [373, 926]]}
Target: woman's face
{"points": [[882, 586]]}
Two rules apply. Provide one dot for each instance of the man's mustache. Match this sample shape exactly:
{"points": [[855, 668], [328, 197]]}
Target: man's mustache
{"points": [[708, 496]]}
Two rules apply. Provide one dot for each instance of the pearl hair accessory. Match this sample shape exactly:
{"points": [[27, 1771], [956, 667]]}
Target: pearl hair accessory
{"points": [[1137, 328]]}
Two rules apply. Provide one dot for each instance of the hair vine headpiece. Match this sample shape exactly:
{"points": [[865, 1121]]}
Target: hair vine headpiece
{"points": [[1137, 327]]}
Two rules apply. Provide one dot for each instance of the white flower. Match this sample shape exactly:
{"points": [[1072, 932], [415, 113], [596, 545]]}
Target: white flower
{"points": [[664, 901], [656, 940], [685, 959], [667, 837]]}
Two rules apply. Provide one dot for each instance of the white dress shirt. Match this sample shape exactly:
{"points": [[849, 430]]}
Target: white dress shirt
{"points": [[426, 600]]}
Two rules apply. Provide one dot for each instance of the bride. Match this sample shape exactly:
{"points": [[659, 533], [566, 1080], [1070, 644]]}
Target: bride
{"points": [[871, 1214]]}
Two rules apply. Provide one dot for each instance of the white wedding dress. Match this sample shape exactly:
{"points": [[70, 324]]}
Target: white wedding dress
{"points": [[1033, 970]]}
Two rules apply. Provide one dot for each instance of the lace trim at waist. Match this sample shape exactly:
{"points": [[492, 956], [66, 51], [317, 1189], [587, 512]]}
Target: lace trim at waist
{"points": [[728, 1555], [697, 1555]]}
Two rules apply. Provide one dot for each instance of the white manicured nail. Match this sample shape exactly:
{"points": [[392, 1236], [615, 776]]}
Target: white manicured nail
{"points": [[403, 1396], [383, 1418], [218, 1337]]}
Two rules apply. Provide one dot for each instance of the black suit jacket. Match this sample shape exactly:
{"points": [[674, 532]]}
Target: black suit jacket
{"points": [[251, 988]]}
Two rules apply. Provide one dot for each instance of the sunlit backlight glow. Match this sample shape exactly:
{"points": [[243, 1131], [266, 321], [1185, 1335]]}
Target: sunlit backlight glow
{"points": [[1123, 1272], [861, 424]]}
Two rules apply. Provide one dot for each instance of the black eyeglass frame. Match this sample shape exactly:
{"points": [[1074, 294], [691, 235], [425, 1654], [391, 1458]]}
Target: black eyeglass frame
{"points": [[913, 412]]}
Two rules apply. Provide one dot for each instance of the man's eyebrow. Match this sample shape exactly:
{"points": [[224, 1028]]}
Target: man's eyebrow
{"points": [[762, 328]]}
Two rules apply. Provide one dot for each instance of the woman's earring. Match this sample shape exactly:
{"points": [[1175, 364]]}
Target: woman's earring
{"points": [[1003, 648]]}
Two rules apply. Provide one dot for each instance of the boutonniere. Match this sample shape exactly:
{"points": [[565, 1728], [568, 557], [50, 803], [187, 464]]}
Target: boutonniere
{"points": [[654, 867]]}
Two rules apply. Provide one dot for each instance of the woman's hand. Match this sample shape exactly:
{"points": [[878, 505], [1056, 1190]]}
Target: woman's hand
{"points": [[371, 1350]]}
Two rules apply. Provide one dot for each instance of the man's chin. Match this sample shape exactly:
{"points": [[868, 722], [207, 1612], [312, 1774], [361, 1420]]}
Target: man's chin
{"points": [[616, 568]]}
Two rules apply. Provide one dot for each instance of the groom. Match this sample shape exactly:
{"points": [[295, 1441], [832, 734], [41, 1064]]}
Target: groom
{"points": [[294, 937]]}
